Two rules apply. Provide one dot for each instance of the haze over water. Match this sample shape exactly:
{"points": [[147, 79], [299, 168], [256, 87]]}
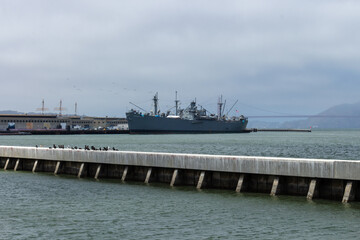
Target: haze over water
{"points": [[43, 206]]}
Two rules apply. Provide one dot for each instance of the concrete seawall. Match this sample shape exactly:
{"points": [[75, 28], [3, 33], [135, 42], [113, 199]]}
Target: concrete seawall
{"points": [[329, 179]]}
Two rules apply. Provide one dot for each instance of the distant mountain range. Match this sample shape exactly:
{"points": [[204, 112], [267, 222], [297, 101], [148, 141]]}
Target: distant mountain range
{"points": [[16, 112], [341, 116], [10, 112], [29, 113]]}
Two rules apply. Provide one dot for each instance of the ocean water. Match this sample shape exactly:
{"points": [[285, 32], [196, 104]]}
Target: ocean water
{"points": [[44, 206]]}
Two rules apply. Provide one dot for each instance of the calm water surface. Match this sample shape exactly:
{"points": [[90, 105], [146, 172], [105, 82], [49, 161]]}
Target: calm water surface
{"points": [[43, 206]]}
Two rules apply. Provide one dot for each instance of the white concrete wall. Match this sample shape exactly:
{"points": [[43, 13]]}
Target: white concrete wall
{"points": [[314, 168]]}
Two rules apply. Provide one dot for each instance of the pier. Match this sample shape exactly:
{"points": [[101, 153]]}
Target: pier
{"points": [[311, 178], [61, 132], [276, 130]]}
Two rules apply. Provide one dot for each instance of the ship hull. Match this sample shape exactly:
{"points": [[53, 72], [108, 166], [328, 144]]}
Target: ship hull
{"points": [[162, 125]]}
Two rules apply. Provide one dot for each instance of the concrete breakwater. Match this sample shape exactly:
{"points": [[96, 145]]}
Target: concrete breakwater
{"points": [[311, 178]]}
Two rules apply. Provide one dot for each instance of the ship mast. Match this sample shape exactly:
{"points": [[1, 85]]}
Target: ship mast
{"points": [[176, 104], [156, 100], [75, 108], [220, 103]]}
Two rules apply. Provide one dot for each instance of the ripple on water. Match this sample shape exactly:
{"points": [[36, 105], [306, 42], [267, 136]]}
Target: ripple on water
{"points": [[43, 206]]}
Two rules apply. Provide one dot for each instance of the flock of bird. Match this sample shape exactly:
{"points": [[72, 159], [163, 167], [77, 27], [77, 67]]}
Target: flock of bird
{"points": [[87, 147]]}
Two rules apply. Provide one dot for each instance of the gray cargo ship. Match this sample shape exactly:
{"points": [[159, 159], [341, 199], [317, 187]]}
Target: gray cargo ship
{"points": [[193, 119]]}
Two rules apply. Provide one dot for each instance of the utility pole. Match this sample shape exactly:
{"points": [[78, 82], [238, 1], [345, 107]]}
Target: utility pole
{"points": [[60, 108], [43, 108]]}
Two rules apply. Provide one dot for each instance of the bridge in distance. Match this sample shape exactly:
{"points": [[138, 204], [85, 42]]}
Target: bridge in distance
{"points": [[307, 116]]}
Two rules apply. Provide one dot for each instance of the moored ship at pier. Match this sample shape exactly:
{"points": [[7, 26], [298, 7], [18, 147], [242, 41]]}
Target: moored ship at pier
{"points": [[193, 119]]}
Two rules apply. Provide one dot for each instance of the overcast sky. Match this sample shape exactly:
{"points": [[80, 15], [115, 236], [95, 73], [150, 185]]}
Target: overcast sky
{"points": [[296, 57]]}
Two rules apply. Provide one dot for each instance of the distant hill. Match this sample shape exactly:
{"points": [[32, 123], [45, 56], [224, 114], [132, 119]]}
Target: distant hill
{"points": [[35, 113], [29, 113], [10, 112], [263, 124], [351, 119]]}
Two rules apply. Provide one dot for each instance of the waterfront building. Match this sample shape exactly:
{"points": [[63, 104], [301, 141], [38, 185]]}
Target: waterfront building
{"points": [[52, 121]]}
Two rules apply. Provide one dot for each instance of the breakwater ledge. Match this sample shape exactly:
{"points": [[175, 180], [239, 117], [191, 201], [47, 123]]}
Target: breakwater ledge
{"points": [[311, 178]]}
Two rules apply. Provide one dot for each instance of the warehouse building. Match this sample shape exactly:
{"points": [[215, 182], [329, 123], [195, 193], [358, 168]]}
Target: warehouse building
{"points": [[32, 122]]}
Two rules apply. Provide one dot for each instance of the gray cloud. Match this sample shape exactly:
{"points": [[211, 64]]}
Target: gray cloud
{"points": [[286, 56]]}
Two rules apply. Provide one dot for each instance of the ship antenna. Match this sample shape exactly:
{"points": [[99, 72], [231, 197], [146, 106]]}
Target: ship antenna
{"points": [[156, 100], [176, 104]]}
